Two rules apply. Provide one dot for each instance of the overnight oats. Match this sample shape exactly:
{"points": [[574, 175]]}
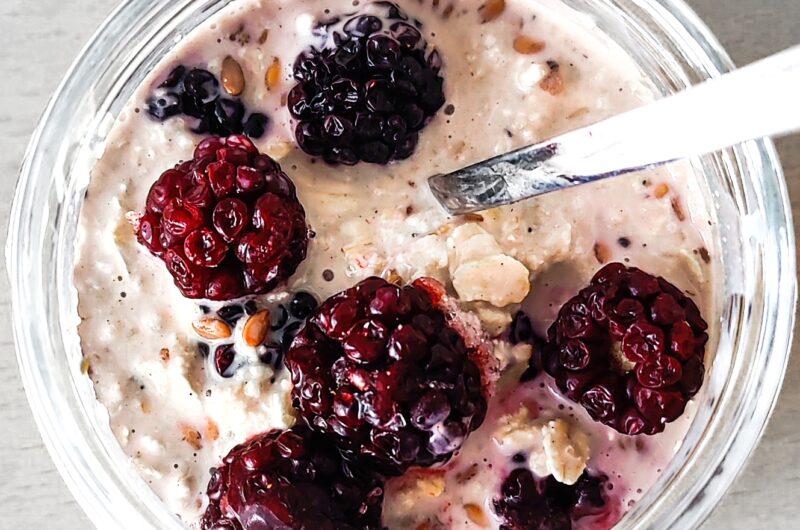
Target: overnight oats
{"points": [[287, 331]]}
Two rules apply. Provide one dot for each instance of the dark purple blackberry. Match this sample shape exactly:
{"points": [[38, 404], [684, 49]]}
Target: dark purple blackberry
{"points": [[527, 503], [195, 93], [226, 223], [380, 370], [293, 480], [629, 348], [366, 92]]}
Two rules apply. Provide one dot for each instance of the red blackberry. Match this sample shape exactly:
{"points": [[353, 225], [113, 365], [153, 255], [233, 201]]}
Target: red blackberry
{"points": [[379, 368], [527, 503], [366, 91], [291, 480], [226, 223], [629, 348]]}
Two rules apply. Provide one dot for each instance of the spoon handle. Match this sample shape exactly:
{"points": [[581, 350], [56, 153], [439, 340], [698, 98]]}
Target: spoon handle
{"points": [[761, 99]]}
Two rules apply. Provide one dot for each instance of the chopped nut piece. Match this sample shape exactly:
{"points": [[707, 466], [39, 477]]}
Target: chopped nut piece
{"points": [[211, 328], [278, 149], [164, 354], [527, 46], [256, 327], [392, 276], [499, 280], [517, 433], [509, 354], [567, 450], [232, 76], [602, 253], [444, 230], [85, 365], [491, 10], [678, 209], [480, 271], [473, 217], [192, 437], [661, 190], [552, 83], [467, 474], [476, 515], [272, 78], [495, 320], [692, 265], [555, 447], [212, 429], [577, 113]]}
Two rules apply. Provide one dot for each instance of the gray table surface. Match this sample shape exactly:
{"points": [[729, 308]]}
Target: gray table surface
{"points": [[39, 39]]}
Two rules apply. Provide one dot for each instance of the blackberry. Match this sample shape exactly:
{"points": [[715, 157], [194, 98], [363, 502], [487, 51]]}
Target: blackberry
{"points": [[526, 502], [294, 480], [226, 223], [366, 92], [195, 93], [629, 348], [380, 370]]}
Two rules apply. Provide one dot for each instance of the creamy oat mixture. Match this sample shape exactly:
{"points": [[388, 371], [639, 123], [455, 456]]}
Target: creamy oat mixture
{"points": [[176, 418]]}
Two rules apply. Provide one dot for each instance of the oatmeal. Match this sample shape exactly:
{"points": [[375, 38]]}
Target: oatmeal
{"points": [[190, 365]]}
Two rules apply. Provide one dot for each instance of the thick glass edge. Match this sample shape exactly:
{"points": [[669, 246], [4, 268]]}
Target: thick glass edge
{"points": [[24, 287], [686, 502], [88, 471]]}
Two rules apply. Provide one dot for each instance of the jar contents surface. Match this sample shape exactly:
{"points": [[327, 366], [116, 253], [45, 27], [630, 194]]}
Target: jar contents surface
{"points": [[530, 366]]}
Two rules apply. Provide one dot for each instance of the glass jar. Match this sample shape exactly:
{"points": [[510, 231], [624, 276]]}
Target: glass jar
{"points": [[756, 295]]}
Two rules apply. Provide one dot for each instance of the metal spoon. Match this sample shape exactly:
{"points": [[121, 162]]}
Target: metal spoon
{"points": [[761, 99]]}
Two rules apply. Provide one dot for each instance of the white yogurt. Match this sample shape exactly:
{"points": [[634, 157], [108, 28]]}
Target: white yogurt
{"points": [[176, 420]]}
